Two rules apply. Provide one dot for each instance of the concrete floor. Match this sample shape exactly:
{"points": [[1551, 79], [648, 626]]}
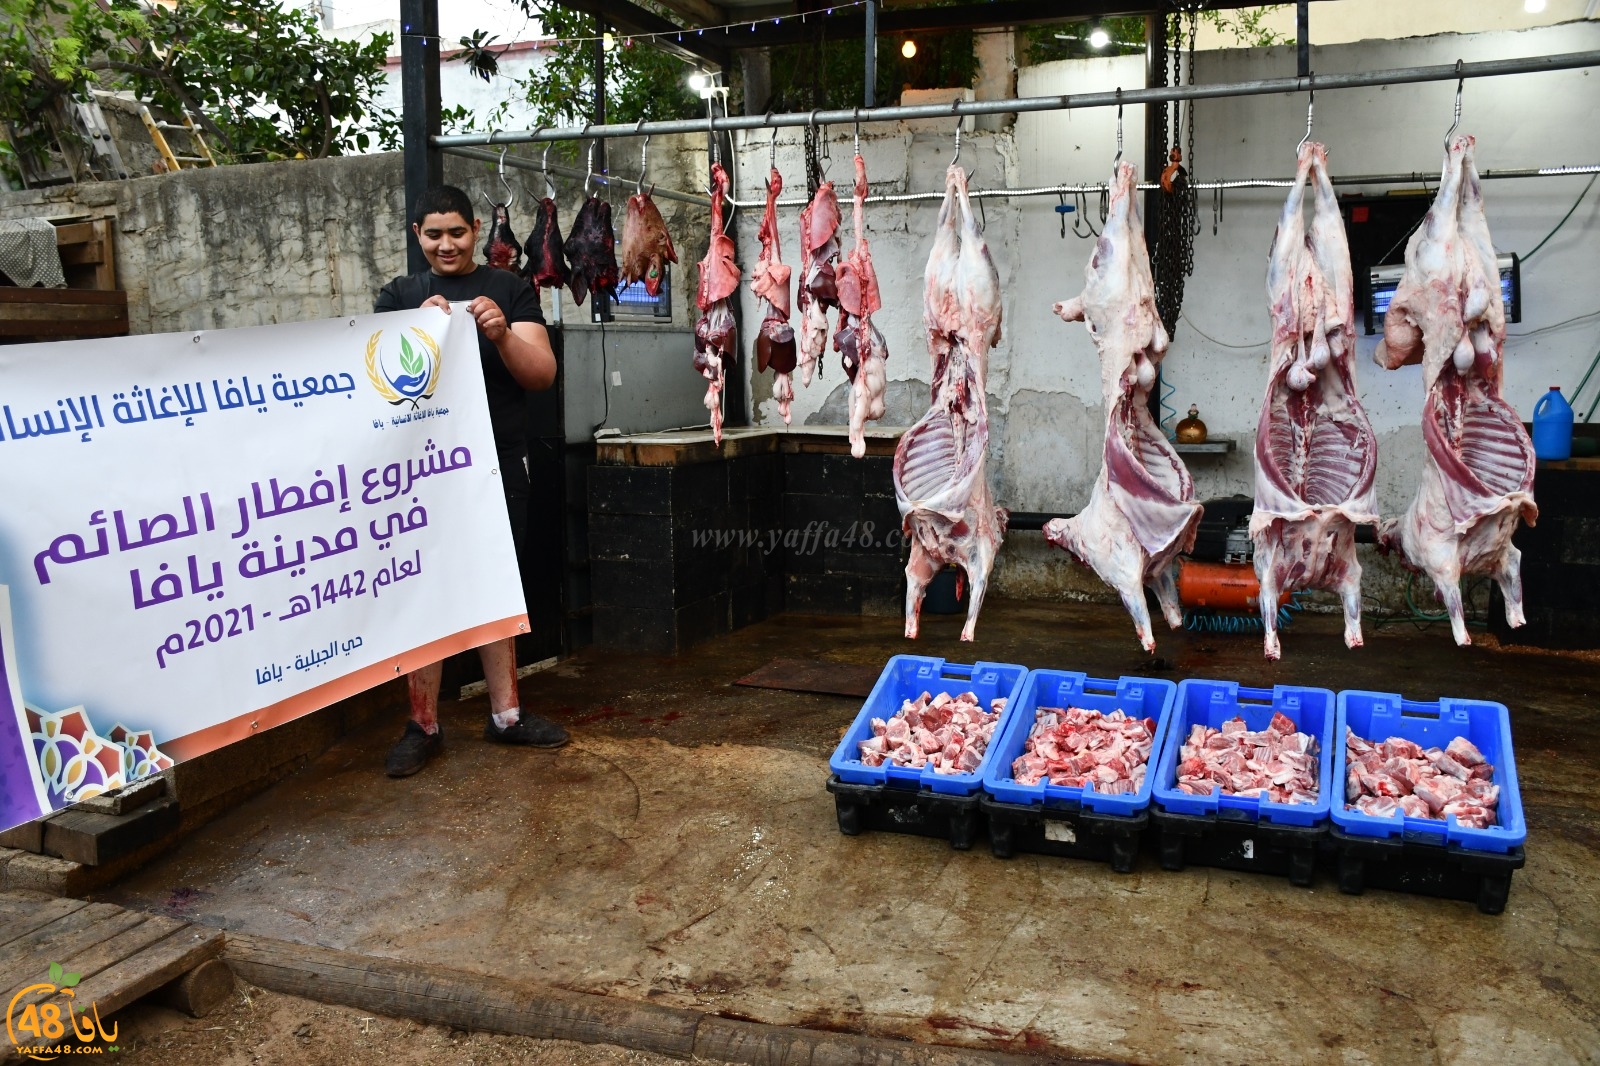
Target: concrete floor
{"points": [[683, 849]]}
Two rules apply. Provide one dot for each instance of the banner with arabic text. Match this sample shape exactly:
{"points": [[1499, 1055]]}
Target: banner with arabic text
{"points": [[203, 535]]}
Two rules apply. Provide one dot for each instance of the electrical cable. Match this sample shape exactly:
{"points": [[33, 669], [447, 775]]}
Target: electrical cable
{"points": [[1564, 218], [605, 371], [1224, 344], [1557, 325], [1168, 412]]}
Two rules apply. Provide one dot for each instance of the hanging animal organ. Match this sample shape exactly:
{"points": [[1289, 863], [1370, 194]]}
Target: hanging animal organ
{"points": [[547, 258], [501, 249], [1315, 451], [592, 251], [861, 347], [939, 479], [819, 249], [1477, 476], [646, 245], [775, 346], [1141, 513], [714, 339]]}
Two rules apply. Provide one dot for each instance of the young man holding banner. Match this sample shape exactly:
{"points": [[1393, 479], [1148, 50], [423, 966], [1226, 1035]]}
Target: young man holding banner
{"points": [[516, 355]]}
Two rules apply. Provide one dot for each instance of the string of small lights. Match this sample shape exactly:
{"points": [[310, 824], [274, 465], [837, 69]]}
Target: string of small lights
{"points": [[627, 40]]}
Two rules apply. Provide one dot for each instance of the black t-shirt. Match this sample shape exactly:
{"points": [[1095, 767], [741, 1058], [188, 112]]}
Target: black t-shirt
{"points": [[515, 298]]}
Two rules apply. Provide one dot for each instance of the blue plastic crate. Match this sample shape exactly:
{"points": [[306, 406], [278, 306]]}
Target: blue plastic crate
{"points": [[1137, 697], [1210, 703], [1376, 716], [905, 678]]}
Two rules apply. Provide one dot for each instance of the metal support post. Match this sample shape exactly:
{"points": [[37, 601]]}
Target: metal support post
{"points": [[419, 122], [869, 95], [1302, 36]]}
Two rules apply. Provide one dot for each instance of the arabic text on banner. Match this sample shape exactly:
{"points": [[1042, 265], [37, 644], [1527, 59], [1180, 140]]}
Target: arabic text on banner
{"points": [[207, 534]]}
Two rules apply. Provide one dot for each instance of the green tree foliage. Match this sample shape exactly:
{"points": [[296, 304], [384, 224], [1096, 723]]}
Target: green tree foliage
{"points": [[1070, 40], [642, 82], [261, 79], [1245, 25], [802, 81]]}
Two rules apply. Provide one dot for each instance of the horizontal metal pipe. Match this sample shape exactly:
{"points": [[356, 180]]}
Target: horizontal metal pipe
{"points": [[1263, 87], [1225, 184], [519, 163]]}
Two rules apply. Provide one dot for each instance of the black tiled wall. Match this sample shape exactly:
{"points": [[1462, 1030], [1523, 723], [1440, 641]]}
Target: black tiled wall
{"points": [[660, 581]]}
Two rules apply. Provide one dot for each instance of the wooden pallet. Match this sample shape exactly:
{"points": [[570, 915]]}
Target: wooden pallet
{"points": [[122, 955]]}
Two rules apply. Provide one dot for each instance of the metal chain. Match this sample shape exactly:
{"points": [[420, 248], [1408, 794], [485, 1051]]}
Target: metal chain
{"points": [[1177, 213]]}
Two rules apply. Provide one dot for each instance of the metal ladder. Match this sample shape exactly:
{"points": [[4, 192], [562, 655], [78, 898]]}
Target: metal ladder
{"points": [[174, 161]]}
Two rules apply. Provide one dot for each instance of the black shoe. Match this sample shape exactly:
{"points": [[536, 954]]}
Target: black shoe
{"points": [[530, 729], [413, 751]]}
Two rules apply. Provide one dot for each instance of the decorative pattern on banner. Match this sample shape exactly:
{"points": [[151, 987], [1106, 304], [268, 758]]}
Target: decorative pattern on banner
{"points": [[222, 531]]}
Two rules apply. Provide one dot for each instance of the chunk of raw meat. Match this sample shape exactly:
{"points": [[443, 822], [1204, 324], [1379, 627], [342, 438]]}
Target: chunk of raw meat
{"points": [[500, 248], [940, 481], [714, 334], [1142, 513], [1477, 475], [1277, 764], [951, 734], [547, 257], [1316, 455], [646, 244], [1430, 783], [1108, 752], [775, 343], [861, 347], [591, 249], [819, 251]]}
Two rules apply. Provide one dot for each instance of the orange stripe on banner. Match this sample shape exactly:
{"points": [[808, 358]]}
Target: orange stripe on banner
{"points": [[212, 737]]}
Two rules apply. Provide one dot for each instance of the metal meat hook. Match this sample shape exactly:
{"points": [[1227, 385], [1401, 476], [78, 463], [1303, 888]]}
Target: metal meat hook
{"points": [[1082, 215], [644, 160], [1118, 160], [1311, 104], [1451, 132], [544, 165], [588, 169]]}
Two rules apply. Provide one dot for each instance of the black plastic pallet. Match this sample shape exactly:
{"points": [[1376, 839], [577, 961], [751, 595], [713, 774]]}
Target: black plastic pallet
{"points": [[1446, 871], [1239, 844], [920, 812], [1069, 831]]}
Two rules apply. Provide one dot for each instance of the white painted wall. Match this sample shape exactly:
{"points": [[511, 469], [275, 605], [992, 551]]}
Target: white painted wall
{"points": [[1044, 378]]}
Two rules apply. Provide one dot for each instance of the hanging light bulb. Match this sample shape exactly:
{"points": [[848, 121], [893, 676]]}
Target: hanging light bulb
{"points": [[607, 41], [909, 49], [1099, 38], [697, 81]]}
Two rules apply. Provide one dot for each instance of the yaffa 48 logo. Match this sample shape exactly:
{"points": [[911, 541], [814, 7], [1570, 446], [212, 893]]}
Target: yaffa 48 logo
{"points": [[42, 1018], [407, 372]]}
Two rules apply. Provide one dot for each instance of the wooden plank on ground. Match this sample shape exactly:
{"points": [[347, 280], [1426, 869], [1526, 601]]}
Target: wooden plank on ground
{"points": [[17, 904], [466, 1001], [37, 918], [814, 675], [27, 959], [153, 929], [29, 836], [94, 839], [474, 1001], [145, 971]]}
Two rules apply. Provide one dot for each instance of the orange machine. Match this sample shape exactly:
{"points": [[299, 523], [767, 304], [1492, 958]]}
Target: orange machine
{"points": [[1221, 587]]}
